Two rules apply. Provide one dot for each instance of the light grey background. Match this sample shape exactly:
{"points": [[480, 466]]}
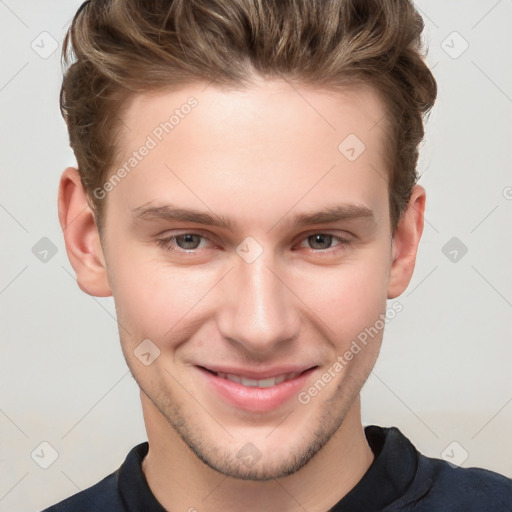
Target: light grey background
{"points": [[444, 374]]}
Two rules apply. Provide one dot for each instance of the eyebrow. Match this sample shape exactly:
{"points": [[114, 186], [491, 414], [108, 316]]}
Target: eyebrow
{"points": [[327, 215]]}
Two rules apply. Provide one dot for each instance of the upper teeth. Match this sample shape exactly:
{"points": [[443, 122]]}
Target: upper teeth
{"points": [[262, 383]]}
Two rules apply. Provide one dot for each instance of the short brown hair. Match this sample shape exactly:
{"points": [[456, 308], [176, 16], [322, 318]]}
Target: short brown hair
{"points": [[125, 47]]}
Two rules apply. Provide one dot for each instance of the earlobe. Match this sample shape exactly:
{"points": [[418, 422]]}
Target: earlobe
{"points": [[405, 243], [81, 236]]}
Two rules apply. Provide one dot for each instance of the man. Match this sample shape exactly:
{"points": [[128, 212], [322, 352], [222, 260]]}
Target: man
{"points": [[246, 191]]}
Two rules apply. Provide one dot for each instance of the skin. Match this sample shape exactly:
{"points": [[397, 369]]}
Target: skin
{"points": [[259, 157]]}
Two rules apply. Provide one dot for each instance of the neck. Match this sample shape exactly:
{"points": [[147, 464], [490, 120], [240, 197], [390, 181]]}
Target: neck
{"points": [[180, 481]]}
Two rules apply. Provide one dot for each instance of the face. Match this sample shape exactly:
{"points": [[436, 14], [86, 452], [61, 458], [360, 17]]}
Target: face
{"points": [[249, 252]]}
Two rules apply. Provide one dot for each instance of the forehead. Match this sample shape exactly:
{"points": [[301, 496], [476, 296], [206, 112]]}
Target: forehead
{"points": [[262, 105], [273, 140]]}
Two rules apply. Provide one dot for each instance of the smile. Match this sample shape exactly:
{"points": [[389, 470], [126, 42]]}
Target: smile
{"points": [[255, 383], [255, 391]]}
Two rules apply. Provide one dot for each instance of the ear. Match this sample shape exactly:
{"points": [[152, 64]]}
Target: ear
{"points": [[81, 236], [405, 243]]}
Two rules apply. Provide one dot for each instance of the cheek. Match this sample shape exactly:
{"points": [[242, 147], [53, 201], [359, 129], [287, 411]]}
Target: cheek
{"points": [[153, 298], [348, 298], [157, 300]]}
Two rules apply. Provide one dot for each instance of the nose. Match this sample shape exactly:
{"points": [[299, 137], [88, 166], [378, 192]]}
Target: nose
{"points": [[259, 310]]}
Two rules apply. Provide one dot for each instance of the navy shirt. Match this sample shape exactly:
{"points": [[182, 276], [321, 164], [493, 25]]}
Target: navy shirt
{"points": [[400, 479]]}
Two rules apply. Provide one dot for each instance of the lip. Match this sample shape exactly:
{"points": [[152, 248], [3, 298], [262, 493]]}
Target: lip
{"points": [[255, 399], [251, 373]]}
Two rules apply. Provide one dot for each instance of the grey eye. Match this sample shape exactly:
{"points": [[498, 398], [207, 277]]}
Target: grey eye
{"points": [[321, 239], [188, 242]]}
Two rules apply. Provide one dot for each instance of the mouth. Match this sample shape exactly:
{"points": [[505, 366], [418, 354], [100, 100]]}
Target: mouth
{"points": [[255, 391], [256, 383]]}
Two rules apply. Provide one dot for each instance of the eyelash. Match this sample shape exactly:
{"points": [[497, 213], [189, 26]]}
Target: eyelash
{"points": [[165, 243]]}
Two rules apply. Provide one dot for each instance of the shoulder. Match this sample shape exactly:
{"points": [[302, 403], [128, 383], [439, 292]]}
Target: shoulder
{"points": [[455, 489], [436, 485], [101, 496]]}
